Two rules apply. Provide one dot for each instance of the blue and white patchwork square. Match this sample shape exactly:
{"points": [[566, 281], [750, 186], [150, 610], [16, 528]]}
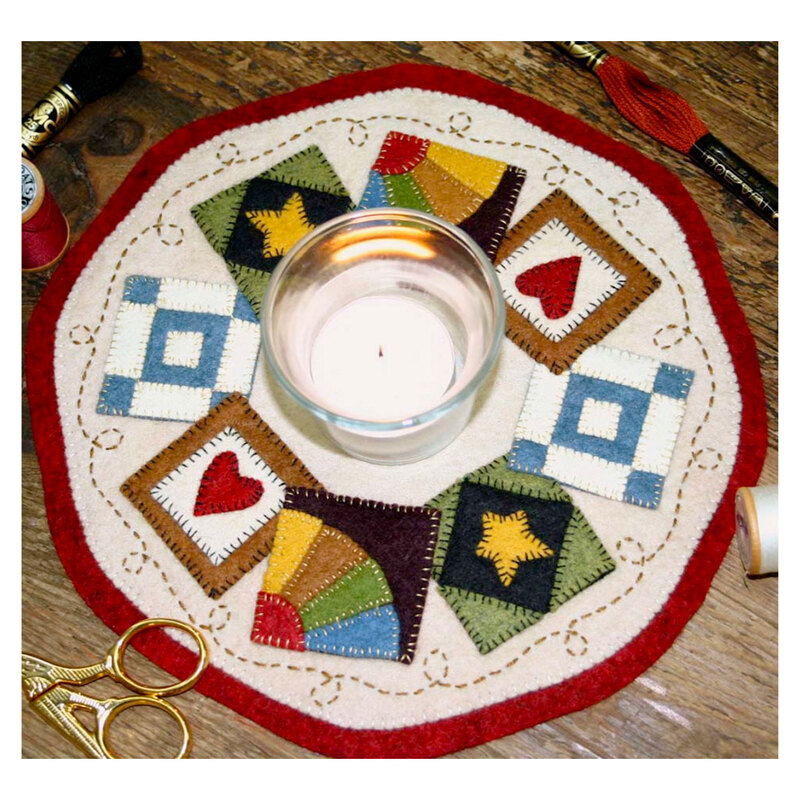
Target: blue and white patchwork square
{"points": [[608, 425], [178, 348]]}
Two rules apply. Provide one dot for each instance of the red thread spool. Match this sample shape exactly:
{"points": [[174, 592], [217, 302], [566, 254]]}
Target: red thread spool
{"points": [[45, 230]]}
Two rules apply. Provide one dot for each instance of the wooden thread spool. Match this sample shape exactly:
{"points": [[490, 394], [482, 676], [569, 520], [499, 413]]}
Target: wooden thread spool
{"points": [[45, 230], [757, 528]]}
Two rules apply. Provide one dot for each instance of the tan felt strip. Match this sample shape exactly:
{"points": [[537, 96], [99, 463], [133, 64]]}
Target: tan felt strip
{"points": [[639, 284], [330, 556], [448, 197]]}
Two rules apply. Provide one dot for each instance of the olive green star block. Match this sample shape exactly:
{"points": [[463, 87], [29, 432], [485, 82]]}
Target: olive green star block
{"points": [[582, 561], [217, 216]]}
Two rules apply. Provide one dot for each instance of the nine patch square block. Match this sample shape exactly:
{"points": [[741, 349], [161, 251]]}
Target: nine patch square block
{"points": [[511, 549], [608, 425], [178, 347], [214, 494]]}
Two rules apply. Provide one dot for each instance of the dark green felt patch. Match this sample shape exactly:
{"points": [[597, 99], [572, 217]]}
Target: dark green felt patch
{"points": [[491, 612], [224, 221]]}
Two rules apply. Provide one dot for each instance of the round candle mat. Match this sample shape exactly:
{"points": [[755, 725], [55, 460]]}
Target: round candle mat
{"points": [[146, 381]]}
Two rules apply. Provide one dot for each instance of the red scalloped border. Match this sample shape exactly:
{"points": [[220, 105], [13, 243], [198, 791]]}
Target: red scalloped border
{"points": [[491, 722]]}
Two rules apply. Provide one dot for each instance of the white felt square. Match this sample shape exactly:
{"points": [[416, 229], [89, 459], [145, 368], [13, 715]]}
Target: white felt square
{"points": [[618, 366], [599, 418], [183, 348], [129, 346], [218, 535], [238, 357], [164, 401], [200, 296]]}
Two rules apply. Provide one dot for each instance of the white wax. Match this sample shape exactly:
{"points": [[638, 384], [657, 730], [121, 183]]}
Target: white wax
{"points": [[382, 358]]}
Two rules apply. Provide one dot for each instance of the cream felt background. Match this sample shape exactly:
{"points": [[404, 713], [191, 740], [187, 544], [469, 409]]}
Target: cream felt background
{"points": [[448, 675]]}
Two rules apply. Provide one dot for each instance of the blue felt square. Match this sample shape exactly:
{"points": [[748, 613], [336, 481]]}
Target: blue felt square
{"points": [[214, 329], [673, 381], [243, 310], [141, 289], [217, 398], [644, 489], [528, 456], [634, 403], [116, 395]]}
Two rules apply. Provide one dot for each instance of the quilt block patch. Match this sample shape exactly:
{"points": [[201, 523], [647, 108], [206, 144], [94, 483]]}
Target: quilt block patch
{"points": [[474, 192], [608, 425], [346, 577], [254, 223], [566, 282], [214, 494], [511, 548], [178, 347]]}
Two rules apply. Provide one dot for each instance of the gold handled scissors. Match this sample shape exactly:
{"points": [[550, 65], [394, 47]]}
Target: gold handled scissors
{"points": [[48, 688]]}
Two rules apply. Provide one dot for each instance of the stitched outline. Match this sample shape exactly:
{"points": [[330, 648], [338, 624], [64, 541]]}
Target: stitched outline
{"points": [[458, 134]]}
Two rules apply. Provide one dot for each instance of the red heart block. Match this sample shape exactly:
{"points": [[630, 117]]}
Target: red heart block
{"points": [[223, 488], [553, 283]]}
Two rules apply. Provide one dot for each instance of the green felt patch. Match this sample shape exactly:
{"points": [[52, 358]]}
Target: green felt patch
{"points": [[216, 216], [360, 589], [487, 620], [252, 282], [309, 169], [403, 191]]}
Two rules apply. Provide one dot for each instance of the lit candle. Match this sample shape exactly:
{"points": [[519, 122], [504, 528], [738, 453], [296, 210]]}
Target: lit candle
{"points": [[382, 358]]}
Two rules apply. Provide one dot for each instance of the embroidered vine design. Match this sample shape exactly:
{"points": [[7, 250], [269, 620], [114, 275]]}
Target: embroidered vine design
{"points": [[435, 665]]}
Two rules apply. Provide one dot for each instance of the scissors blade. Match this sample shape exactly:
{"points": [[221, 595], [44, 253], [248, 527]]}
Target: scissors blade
{"points": [[37, 676]]}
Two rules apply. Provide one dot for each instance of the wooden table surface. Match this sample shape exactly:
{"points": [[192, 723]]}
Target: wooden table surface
{"points": [[715, 692]]}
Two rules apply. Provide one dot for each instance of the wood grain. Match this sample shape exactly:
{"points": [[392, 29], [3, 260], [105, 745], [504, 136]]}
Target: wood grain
{"points": [[715, 692]]}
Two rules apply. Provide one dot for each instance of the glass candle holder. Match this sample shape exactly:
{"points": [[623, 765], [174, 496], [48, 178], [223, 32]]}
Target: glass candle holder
{"points": [[383, 323]]}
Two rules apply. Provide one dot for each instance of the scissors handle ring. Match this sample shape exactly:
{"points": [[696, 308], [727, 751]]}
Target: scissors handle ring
{"points": [[113, 707], [117, 651]]}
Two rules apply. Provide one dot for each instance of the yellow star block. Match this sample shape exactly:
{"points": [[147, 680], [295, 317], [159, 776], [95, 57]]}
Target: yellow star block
{"points": [[282, 228], [508, 541]]}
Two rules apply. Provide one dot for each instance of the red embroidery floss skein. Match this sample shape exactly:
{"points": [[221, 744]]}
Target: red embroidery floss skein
{"points": [[45, 230]]}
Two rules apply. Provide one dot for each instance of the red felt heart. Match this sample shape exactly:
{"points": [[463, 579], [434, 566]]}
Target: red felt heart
{"points": [[553, 283], [223, 488]]}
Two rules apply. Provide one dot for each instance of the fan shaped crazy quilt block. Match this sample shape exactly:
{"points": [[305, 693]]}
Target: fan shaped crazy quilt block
{"points": [[511, 548], [608, 425], [346, 577], [254, 223], [474, 192]]}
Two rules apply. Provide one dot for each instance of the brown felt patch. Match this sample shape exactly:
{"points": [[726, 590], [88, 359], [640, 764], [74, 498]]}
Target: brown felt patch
{"points": [[330, 556], [449, 198], [639, 283], [233, 415]]}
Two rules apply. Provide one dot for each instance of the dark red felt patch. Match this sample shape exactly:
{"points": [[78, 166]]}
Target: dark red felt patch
{"points": [[224, 488], [553, 283], [400, 153], [277, 623]]}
